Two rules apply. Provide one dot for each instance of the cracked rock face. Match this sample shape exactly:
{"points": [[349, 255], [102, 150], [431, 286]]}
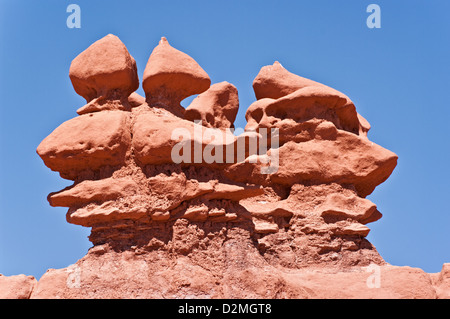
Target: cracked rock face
{"points": [[222, 217]]}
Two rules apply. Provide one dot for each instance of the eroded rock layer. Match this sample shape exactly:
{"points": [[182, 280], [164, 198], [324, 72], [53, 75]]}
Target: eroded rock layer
{"points": [[198, 208], [138, 167]]}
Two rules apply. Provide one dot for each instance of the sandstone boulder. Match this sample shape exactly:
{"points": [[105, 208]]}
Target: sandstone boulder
{"points": [[159, 138], [135, 99], [105, 69], [171, 76], [215, 108], [16, 287], [88, 142]]}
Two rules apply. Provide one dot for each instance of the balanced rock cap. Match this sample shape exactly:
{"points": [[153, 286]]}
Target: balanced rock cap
{"points": [[105, 68], [171, 76]]}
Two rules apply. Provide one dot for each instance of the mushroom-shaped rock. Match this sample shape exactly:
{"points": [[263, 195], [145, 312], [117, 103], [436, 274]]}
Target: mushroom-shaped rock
{"points": [[87, 142], [105, 69], [171, 76]]}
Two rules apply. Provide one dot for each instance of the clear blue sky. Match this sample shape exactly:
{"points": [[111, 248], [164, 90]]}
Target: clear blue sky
{"points": [[398, 76]]}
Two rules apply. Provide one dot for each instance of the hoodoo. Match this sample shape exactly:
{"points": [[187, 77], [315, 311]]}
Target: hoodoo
{"points": [[217, 226]]}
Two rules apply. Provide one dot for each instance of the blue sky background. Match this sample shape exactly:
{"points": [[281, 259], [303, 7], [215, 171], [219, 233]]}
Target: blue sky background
{"points": [[398, 76]]}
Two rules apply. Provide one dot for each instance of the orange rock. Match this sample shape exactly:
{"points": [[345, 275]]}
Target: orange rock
{"points": [[171, 76], [152, 136], [107, 212], [105, 69], [215, 224], [93, 191], [233, 192], [240, 272], [157, 135], [351, 229], [347, 160], [441, 281], [135, 99], [87, 142], [16, 287], [275, 82], [339, 206], [215, 108]]}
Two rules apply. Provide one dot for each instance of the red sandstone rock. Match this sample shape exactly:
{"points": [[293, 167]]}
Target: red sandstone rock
{"points": [[105, 69], [157, 135], [152, 136], [16, 287], [441, 282], [234, 192], [171, 76], [93, 191], [224, 269], [92, 214], [135, 99], [220, 226], [215, 108], [300, 106], [275, 82], [338, 206], [348, 159], [87, 142]]}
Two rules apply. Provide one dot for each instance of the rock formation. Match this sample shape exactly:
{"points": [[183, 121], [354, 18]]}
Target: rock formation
{"points": [[16, 287], [171, 76], [179, 206], [216, 108]]}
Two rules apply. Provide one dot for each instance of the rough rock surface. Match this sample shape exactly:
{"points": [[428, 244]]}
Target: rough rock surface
{"points": [[171, 76], [16, 287], [179, 209], [213, 261], [288, 90], [215, 108], [105, 72], [86, 143]]}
